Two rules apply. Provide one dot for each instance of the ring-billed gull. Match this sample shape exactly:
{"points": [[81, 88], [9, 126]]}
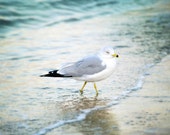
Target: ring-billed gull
{"points": [[92, 68]]}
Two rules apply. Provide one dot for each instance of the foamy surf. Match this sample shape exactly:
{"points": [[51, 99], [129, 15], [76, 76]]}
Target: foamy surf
{"points": [[126, 93], [43, 34]]}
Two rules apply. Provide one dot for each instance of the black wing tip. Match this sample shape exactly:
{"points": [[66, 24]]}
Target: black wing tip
{"points": [[54, 74], [46, 75], [51, 74]]}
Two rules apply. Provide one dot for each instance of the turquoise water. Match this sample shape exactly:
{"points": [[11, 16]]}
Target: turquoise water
{"points": [[17, 14], [39, 35]]}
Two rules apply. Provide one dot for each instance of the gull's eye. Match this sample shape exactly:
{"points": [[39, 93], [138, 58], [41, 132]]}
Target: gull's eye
{"points": [[107, 52]]}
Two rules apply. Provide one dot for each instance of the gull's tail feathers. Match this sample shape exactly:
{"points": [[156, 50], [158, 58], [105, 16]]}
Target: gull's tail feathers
{"points": [[54, 74]]}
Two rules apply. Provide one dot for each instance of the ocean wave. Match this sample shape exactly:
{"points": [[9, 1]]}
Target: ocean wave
{"points": [[38, 13]]}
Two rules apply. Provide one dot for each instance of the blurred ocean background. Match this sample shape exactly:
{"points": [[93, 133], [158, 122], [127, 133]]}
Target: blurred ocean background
{"points": [[38, 35]]}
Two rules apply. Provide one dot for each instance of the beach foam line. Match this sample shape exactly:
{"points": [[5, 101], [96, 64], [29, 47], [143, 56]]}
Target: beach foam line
{"points": [[138, 85]]}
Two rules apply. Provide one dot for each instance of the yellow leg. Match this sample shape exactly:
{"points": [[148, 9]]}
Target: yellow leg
{"points": [[81, 90], [95, 87]]}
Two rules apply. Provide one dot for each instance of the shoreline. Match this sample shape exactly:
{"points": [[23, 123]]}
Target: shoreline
{"points": [[146, 111], [143, 112]]}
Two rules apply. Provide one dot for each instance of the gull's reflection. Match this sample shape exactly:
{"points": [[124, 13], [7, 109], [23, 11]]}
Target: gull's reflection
{"points": [[98, 121]]}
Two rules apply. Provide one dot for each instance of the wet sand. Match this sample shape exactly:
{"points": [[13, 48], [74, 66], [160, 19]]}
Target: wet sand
{"points": [[143, 112], [135, 100], [147, 111]]}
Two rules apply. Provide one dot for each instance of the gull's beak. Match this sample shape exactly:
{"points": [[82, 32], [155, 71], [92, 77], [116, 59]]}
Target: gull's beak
{"points": [[115, 55]]}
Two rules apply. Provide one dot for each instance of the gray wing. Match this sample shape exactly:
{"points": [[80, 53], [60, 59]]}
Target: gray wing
{"points": [[87, 66]]}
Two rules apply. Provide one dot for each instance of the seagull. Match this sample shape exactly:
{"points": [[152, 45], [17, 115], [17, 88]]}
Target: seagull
{"points": [[92, 68]]}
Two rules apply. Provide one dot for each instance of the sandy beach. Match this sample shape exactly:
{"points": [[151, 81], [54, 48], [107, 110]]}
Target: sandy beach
{"points": [[39, 36], [144, 112], [147, 112]]}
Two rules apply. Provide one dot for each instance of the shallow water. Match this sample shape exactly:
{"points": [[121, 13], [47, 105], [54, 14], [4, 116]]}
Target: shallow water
{"points": [[40, 35]]}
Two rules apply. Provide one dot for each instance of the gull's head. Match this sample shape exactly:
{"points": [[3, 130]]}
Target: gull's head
{"points": [[108, 52]]}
